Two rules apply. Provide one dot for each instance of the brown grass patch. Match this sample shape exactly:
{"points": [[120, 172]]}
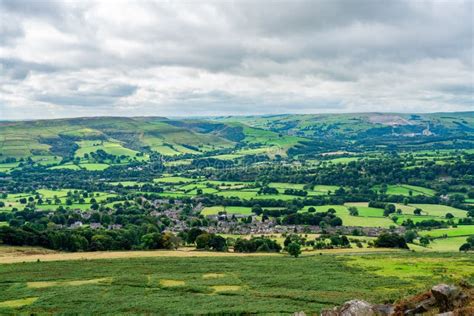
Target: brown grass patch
{"points": [[43, 284], [213, 275], [9, 251], [226, 288], [172, 283], [18, 303], [185, 252]]}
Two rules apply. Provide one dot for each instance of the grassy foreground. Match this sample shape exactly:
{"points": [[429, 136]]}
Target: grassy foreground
{"points": [[231, 284]]}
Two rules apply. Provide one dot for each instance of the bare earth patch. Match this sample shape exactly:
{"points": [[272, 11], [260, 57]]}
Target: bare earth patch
{"points": [[43, 284], [18, 303]]}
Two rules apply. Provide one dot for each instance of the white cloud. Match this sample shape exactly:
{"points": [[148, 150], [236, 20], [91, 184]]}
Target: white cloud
{"points": [[240, 57]]}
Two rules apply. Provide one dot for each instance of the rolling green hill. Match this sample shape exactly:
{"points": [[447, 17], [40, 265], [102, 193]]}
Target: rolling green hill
{"points": [[349, 131], [120, 136], [239, 136]]}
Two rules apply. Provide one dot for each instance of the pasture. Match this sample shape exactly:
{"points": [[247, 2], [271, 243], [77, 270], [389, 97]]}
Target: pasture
{"points": [[89, 146], [440, 210], [52, 199], [94, 166], [213, 210], [368, 217], [464, 230], [222, 284], [407, 190]]}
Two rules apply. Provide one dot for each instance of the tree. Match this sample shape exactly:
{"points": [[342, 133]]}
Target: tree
{"points": [[465, 247], [257, 209], [469, 245], [353, 211], [150, 241], [409, 236], [202, 241], [169, 241], [417, 211], [336, 221], [211, 241], [101, 242], [449, 216], [424, 241], [389, 209], [386, 240], [218, 243], [294, 249], [193, 234]]}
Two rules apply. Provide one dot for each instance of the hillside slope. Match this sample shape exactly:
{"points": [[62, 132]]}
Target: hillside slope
{"points": [[272, 135], [62, 137]]}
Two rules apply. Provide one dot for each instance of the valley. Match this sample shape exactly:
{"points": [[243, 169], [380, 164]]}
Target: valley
{"points": [[358, 196]]}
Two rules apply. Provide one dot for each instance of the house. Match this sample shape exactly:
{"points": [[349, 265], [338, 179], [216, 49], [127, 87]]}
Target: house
{"points": [[76, 225], [95, 225]]}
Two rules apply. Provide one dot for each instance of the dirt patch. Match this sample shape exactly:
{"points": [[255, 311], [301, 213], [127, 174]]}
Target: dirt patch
{"points": [[18, 303], [43, 284]]}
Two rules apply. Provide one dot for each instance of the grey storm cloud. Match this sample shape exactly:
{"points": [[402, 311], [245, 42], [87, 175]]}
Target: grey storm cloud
{"points": [[188, 58]]}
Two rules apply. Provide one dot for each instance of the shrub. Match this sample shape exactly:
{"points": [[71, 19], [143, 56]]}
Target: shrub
{"points": [[294, 249], [386, 240]]}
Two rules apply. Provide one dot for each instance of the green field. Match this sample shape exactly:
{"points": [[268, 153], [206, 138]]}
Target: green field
{"points": [[6, 167], [221, 284], [447, 244], [416, 218], [213, 210], [368, 217], [94, 166], [88, 146], [66, 166], [127, 183], [342, 160], [46, 194], [405, 189], [174, 180], [282, 186], [247, 195], [174, 163], [464, 230], [323, 189], [440, 210], [366, 211]]}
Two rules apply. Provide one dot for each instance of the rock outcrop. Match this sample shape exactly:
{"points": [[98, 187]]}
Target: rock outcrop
{"points": [[442, 300]]}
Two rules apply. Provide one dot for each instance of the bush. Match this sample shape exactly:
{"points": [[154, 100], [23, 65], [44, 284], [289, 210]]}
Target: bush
{"points": [[386, 240], [257, 244], [294, 249], [211, 242], [465, 247]]}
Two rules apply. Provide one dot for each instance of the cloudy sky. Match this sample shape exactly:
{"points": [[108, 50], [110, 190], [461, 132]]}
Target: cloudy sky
{"points": [[170, 58]]}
